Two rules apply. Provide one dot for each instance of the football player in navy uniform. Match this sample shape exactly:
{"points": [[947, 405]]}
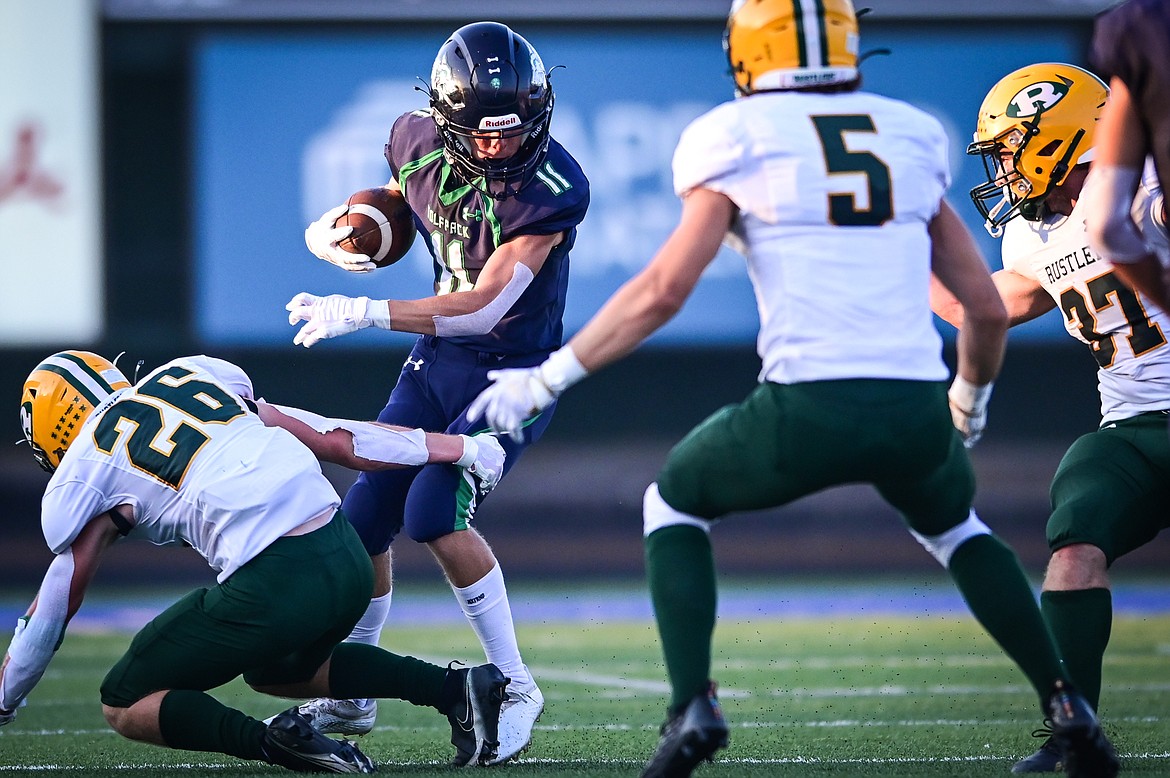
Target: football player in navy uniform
{"points": [[1037, 132], [498, 201], [1131, 49], [189, 456], [853, 386]]}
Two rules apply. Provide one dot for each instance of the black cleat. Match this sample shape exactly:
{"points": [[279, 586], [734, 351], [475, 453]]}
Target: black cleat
{"points": [[1078, 735], [689, 737], [290, 741], [1047, 759], [475, 716]]}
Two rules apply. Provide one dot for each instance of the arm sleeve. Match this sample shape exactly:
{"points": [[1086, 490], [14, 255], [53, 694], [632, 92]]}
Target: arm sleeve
{"points": [[370, 441], [1110, 226], [38, 636], [486, 318]]}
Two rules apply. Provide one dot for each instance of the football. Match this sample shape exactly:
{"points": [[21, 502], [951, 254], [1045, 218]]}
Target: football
{"points": [[383, 225]]}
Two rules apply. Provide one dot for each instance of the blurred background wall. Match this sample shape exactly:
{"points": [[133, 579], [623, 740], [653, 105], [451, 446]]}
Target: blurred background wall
{"points": [[159, 160]]}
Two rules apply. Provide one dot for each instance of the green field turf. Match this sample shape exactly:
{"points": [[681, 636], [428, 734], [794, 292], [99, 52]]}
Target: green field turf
{"points": [[842, 695]]}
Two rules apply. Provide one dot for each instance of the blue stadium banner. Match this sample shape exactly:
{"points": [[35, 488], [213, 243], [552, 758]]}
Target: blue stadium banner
{"points": [[288, 124]]}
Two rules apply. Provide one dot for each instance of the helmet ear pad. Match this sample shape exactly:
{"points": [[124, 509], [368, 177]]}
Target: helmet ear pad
{"points": [[488, 81]]}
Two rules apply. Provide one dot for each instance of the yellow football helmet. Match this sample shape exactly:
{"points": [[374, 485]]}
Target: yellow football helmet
{"points": [[786, 44], [1034, 126], [59, 395]]}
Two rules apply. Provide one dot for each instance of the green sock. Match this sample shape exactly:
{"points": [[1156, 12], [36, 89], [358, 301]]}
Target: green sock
{"points": [[194, 721], [1081, 622], [681, 573], [357, 670], [990, 579]]}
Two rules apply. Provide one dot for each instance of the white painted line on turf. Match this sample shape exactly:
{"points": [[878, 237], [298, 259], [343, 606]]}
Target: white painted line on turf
{"points": [[792, 760]]}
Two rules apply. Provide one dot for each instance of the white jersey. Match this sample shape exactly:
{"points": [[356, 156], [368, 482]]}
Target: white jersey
{"points": [[835, 192], [1124, 330], [194, 464]]}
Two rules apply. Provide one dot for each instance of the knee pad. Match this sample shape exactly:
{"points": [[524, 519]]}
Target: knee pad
{"points": [[942, 547], [656, 514]]}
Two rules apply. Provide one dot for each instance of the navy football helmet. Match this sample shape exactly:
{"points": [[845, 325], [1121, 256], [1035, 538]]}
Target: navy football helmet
{"points": [[488, 82]]}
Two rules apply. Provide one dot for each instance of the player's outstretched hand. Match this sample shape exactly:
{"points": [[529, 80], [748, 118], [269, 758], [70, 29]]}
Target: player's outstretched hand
{"points": [[322, 238], [969, 408], [334, 315], [516, 395]]}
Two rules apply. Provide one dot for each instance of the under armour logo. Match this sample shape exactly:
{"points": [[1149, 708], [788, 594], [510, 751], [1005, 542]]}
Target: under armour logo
{"points": [[416, 364], [470, 215], [21, 174]]}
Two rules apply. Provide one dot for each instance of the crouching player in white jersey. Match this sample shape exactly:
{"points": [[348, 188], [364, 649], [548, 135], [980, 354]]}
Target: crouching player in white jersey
{"points": [[835, 197], [1036, 133], [187, 455]]}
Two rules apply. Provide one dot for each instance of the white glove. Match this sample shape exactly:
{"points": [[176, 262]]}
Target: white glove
{"points": [[322, 238], [518, 394], [483, 457], [334, 315], [969, 408]]}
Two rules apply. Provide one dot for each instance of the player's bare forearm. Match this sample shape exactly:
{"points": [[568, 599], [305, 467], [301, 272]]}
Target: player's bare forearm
{"points": [[980, 351], [492, 284], [960, 268], [944, 304], [632, 314], [653, 296]]}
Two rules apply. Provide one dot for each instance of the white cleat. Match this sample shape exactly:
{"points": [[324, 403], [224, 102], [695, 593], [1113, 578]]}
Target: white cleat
{"points": [[338, 717], [522, 707]]}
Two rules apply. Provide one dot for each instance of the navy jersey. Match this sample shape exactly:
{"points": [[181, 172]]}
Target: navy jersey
{"points": [[1132, 42], [462, 228]]}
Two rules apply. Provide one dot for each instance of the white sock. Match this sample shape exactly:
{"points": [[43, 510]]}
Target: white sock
{"points": [[485, 604], [368, 630]]}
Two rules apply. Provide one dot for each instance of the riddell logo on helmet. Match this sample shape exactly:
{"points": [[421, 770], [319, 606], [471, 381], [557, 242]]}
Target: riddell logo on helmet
{"points": [[499, 122]]}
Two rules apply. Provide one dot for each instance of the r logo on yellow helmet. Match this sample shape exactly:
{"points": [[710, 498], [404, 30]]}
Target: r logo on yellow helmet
{"points": [[1037, 98], [59, 395]]}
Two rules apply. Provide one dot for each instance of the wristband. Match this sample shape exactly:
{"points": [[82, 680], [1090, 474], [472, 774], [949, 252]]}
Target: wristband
{"points": [[561, 370], [470, 452], [375, 312], [968, 396]]}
